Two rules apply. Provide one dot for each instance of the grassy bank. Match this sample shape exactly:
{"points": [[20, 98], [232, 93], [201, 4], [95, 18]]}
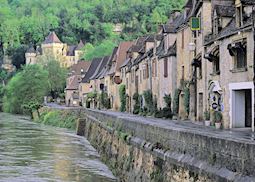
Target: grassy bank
{"points": [[63, 119]]}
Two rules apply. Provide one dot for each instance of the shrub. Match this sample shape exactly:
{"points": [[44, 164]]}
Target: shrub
{"points": [[186, 99], [206, 115], [218, 116], [122, 93], [176, 101], [104, 100], [61, 119], [137, 107], [149, 102]]}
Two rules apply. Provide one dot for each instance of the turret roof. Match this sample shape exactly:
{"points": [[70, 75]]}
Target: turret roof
{"points": [[52, 38]]}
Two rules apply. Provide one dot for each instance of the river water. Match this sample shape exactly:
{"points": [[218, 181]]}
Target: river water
{"points": [[37, 153]]}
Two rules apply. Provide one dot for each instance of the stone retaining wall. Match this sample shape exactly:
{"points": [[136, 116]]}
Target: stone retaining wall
{"points": [[137, 151]]}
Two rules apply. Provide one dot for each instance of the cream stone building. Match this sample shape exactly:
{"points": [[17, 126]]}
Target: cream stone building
{"points": [[205, 67], [53, 48], [76, 73]]}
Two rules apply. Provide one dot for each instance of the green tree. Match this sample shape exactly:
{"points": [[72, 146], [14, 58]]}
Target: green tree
{"points": [[56, 77], [27, 87]]}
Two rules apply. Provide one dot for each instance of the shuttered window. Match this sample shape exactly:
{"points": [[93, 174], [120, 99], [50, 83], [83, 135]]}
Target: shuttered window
{"points": [[165, 67]]}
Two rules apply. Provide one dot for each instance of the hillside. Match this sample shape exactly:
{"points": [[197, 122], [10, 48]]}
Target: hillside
{"points": [[25, 22]]}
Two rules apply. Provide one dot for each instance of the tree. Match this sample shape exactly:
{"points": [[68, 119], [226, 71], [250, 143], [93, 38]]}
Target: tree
{"points": [[27, 87], [56, 77]]}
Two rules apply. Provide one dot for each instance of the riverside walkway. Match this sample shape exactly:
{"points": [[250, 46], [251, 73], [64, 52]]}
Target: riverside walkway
{"points": [[245, 135]]}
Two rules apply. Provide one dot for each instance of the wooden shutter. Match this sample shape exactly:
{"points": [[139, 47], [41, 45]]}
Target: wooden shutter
{"points": [[165, 67]]}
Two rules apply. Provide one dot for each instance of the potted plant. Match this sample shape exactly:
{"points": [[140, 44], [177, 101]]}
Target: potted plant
{"points": [[218, 119], [207, 118]]}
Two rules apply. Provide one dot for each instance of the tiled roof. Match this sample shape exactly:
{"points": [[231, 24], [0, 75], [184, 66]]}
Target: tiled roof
{"points": [[52, 38], [105, 69], [80, 45], [225, 11], [77, 69], [125, 63], [248, 2], [170, 52], [31, 49], [70, 50], [74, 83], [122, 53], [93, 67], [111, 64], [151, 38], [103, 63]]}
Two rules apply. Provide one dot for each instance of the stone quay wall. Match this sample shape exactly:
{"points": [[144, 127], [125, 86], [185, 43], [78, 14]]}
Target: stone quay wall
{"points": [[137, 150], [146, 149]]}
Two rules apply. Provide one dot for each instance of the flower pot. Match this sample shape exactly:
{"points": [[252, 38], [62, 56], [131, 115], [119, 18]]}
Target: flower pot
{"points": [[207, 122], [217, 125]]}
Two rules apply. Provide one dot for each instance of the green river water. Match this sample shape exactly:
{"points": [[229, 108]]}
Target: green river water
{"points": [[38, 153]]}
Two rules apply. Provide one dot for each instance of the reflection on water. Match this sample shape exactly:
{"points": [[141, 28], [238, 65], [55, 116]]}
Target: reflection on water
{"points": [[32, 152]]}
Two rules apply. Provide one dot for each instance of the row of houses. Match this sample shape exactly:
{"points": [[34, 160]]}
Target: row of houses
{"points": [[203, 57]]}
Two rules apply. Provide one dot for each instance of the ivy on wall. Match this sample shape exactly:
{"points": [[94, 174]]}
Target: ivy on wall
{"points": [[176, 101], [186, 99], [122, 93]]}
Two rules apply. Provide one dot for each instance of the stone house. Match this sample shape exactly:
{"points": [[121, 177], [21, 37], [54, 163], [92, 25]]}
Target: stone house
{"points": [[52, 47], [85, 87], [115, 73], [230, 56], [76, 73]]}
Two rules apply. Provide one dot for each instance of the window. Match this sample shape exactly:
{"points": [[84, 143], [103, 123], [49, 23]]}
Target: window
{"points": [[165, 67], [154, 68], [182, 72], [216, 65], [141, 76], [200, 73], [145, 71], [240, 58], [127, 83], [238, 50]]}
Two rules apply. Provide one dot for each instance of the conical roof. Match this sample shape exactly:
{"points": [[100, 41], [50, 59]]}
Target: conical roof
{"points": [[52, 38], [31, 49], [80, 45]]}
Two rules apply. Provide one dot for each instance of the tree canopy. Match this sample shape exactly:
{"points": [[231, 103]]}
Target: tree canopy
{"points": [[26, 88], [23, 22]]}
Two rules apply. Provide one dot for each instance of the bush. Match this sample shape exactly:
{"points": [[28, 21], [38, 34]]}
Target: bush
{"points": [[122, 93], [61, 119], [206, 115], [176, 102], [104, 100], [137, 107], [149, 103], [186, 99]]}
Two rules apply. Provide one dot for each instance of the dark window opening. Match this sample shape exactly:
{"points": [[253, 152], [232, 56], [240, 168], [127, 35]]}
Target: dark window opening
{"points": [[165, 67]]}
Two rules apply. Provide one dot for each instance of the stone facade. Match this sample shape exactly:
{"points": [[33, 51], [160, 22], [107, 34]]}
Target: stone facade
{"points": [[53, 48], [207, 70]]}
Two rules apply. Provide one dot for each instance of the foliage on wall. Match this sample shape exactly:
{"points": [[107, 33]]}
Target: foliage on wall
{"points": [[122, 93], [186, 99], [104, 100], [137, 106], [149, 104], [176, 101]]}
